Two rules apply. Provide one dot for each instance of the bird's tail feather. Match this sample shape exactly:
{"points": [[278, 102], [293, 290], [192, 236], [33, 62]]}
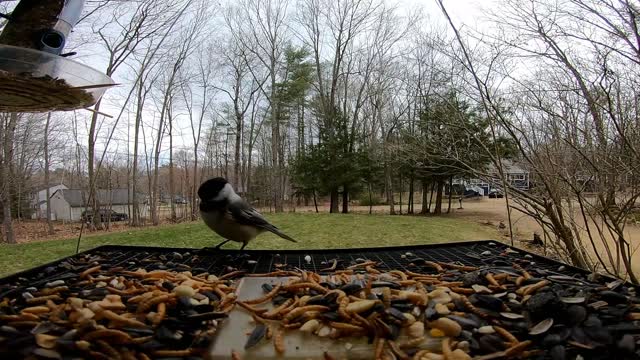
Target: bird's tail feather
{"points": [[283, 235]]}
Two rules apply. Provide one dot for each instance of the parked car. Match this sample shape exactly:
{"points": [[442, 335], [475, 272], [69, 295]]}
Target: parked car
{"points": [[496, 194], [105, 215]]}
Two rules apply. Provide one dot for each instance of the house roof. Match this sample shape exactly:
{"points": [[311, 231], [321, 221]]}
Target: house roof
{"points": [[78, 198], [44, 187], [510, 167]]}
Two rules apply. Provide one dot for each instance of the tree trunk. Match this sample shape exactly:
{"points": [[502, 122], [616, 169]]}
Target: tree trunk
{"points": [[450, 193], [333, 208], [431, 190], [135, 218], [93, 198], [425, 194], [400, 194], [389, 187], [315, 201], [236, 156], [411, 190], [196, 184], [5, 191], [47, 178], [438, 209], [370, 200], [275, 144], [172, 185], [345, 199]]}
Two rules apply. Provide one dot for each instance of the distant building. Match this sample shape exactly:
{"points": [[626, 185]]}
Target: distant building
{"points": [[68, 204], [39, 201], [517, 176]]}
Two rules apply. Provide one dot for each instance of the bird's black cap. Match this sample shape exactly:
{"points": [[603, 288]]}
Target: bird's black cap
{"points": [[211, 188]]}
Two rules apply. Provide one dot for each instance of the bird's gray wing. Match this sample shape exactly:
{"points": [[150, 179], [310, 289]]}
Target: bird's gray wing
{"points": [[244, 214]]}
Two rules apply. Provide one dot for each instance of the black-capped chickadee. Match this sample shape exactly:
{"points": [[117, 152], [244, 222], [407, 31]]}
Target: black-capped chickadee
{"points": [[226, 213]]}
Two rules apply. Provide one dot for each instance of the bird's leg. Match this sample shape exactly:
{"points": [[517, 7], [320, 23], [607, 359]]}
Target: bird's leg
{"points": [[217, 247], [243, 246]]}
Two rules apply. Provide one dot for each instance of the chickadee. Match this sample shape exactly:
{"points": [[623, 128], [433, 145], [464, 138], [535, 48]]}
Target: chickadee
{"points": [[226, 213]]}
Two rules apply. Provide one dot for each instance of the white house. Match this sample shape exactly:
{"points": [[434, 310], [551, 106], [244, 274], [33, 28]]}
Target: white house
{"points": [[39, 201], [517, 176], [68, 204]]}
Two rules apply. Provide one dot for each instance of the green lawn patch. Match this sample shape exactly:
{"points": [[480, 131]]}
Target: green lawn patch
{"points": [[313, 231]]}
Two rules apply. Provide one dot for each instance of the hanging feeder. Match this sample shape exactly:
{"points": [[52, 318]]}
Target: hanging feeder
{"points": [[34, 74]]}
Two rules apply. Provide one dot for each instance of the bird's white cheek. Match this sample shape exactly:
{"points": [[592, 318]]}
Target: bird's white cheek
{"points": [[224, 193]]}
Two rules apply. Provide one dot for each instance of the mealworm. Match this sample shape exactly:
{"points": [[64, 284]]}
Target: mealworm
{"points": [[43, 299], [492, 280], [235, 355], [413, 342], [501, 276], [364, 264], [228, 299], [278, 341], [303, 285], [517, 348], [344, 272], [434, 265], [21, 317], [464, 291], [472, 308], [506, 334], [275, 311], [397, 350], [379, 348], [346, 327], [110, 315], [266, 297], [399, 274], [301, 310], [55, 290], [89, 271], [535, 287], [36, 310], [146, 305], [327, 356], [250, 308], [142, 340], [458, 267], [115, 336], [271, 274], [173, 353], [524, 272], [342, 307], [371, 270], [232, 274], [446, 348], [161, 312], [111, 352]]}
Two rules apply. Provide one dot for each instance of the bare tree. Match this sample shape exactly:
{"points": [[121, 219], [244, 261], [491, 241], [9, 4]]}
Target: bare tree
{"points": [[8, 123], [47, 177], [572, 123], [261, 26]]}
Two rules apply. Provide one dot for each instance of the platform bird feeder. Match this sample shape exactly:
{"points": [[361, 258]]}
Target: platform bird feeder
{"points": [[35, 74]]}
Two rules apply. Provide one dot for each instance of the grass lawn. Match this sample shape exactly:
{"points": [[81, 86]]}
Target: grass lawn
{"points": [[313, 231]]}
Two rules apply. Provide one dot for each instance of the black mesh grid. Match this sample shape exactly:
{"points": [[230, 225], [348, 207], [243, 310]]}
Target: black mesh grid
{"points": [[476, 253]]}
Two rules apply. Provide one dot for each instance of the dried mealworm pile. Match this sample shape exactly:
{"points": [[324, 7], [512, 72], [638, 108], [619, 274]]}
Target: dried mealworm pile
{"points": [[116, 314], [452, 312]]}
